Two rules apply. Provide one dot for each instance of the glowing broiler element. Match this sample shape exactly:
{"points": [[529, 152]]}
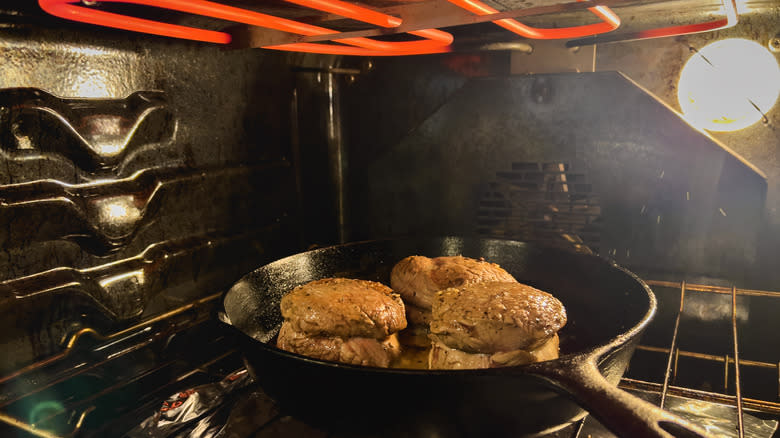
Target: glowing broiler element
{"points": [[433, 40], [609, 22], [730, 9], [729, 85]]}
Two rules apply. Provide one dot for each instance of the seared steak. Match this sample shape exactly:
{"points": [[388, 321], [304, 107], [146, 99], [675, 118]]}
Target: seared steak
{"points": [[494, 324], [345, 308], [418, 278], [354, 350], [417, 316], [495, 317], [442, 357]]}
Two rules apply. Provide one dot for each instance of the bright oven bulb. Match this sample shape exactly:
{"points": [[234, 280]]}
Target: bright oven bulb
{"points": [[728, 85]]}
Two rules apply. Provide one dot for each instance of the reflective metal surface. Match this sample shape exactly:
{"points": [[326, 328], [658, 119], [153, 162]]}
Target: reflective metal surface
{"points": [[96, 132], [105, 216], [137, 174]]}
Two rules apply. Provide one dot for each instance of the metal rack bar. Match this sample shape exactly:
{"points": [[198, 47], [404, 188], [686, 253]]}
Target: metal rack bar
{"points": [[76, 372], [714, 289], [672, 347], [73, 432], [91, 407], [748, 403], [737, 400], [149, 328], [580, 426], [710, 357], [726, 374], [123, 384], [70, 342], [13, 421], [736, 361]]}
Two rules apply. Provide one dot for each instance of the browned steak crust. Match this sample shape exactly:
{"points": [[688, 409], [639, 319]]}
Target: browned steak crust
{"points": [[418, 278], [495, 317], [344, 307]]}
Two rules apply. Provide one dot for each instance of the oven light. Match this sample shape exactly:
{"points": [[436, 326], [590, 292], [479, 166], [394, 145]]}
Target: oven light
{"points": [[729, 85]]}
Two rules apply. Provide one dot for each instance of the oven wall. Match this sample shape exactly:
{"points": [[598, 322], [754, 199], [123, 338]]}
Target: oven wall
{"points": [[136, 174]]}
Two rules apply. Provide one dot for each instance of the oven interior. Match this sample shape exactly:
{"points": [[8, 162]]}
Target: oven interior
{"points": [[143, 175]]}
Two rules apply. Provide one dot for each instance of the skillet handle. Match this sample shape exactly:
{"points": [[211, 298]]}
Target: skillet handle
{"points": [[622, 413]]}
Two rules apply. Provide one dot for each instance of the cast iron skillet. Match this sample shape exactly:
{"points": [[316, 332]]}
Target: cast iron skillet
{"points": [[608, 308]]}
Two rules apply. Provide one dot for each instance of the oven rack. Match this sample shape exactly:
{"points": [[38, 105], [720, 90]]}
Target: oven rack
{"points": [[28, 386], [673, 354], [150, 333]]}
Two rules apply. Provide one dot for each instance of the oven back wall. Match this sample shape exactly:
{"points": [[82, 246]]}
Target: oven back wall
{"points": [[588, 161]]}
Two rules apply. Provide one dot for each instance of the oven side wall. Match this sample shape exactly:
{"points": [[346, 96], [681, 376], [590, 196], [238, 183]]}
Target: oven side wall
{"points": [[137, 174]]}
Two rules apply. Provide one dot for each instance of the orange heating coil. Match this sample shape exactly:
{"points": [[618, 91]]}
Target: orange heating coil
{"points": [[434, 40], [609, 22], [730, 20]]}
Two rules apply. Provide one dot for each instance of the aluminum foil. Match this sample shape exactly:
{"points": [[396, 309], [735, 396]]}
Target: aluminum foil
{"points": [[720, 420], [228, 408]]}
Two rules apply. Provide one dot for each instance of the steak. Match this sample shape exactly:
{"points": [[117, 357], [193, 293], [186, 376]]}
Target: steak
{"points": [[345, 308], [418, 278]]}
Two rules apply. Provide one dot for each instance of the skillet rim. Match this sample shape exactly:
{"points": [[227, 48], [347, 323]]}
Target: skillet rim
{"points": [[595, 352]]}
